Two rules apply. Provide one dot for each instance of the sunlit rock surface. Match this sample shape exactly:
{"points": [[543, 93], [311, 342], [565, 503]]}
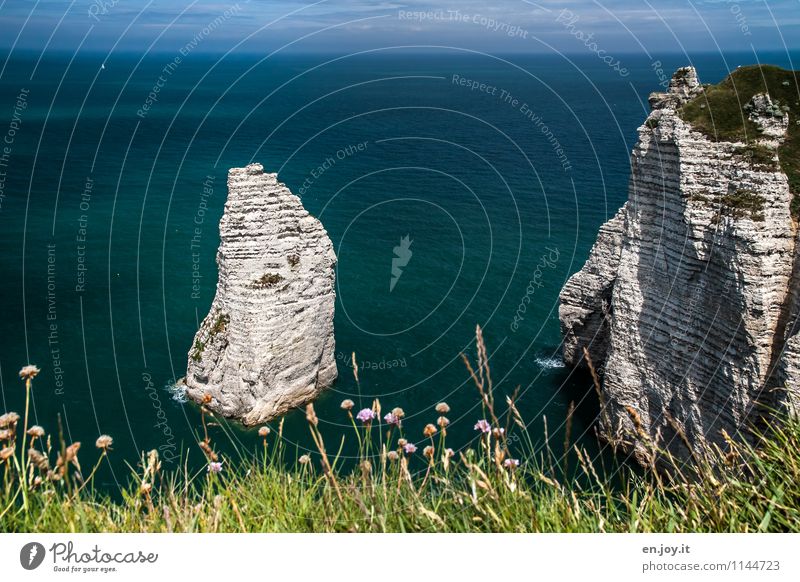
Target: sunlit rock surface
{"points": [[266, 346], [687, 303]]}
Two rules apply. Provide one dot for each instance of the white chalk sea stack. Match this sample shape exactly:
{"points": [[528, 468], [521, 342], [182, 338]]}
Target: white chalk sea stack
{"points": [[266, 345], [688, 303]]}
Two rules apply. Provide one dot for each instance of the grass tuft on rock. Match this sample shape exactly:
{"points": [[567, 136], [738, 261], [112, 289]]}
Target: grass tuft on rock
{"points": [[197, 352], [220, 324], [743, 203], [267, 281]]}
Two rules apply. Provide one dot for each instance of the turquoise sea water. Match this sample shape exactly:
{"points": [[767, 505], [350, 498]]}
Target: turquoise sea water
{"points": [[499, 170]]}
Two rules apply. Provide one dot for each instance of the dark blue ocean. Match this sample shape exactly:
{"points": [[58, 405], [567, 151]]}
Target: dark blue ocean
{"points": [[498, 170]]}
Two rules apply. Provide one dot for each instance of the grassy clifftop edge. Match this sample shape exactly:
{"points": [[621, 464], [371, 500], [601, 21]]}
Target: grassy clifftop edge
{"points": [[720, 113]]}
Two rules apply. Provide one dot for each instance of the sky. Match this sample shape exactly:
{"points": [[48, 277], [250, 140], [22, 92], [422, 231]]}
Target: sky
{"points": [[506, 26]]}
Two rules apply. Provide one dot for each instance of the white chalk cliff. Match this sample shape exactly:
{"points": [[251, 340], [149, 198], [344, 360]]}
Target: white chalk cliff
{"points": [[688, 303], [266, 346]]}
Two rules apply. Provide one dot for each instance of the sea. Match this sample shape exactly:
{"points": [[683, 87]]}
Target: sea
{"points": [[459, 189]]}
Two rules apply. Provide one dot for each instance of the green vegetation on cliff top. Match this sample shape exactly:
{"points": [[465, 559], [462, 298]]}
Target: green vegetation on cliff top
{"points": [[719, 112]]}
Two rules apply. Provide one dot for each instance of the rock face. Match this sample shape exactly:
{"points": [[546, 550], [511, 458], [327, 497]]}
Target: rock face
{"points": [[267, 344], [688, 302]]}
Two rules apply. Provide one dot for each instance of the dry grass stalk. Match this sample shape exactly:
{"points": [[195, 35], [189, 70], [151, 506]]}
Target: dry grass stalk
{"points": [[482, 378], [316, 435]]}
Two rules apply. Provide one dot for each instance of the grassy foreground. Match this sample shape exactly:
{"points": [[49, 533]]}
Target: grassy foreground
{"points": [[480, 489]]}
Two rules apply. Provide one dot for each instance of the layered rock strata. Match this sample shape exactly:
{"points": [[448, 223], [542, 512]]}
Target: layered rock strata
{"points": [[267, 344], [687, 302]]}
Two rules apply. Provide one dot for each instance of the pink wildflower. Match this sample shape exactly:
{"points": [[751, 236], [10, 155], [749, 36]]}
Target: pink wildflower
{"points": [[483, 426], [365, 415], [392, 418]]}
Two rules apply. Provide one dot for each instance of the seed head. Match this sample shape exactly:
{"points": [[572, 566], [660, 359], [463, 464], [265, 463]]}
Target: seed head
{"points": [[8, 419], [206, 398], [347, 404], [206, 448], [28, 372], [428, 451], [498, 432], [442, 408], [104, 442], [263, 431], [442, 421], [39, 460], [392, 455], [145, 488], [399, 412], [449, 453], [304, 459], [5, 434], [71, 452], [6, 453], [153, 464], [637, 421], [429, 430], [402, 442], [36, 431], [311, 415]]}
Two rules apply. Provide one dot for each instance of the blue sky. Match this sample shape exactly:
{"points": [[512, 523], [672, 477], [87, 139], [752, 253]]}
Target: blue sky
{"points": [[344, 25]]}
